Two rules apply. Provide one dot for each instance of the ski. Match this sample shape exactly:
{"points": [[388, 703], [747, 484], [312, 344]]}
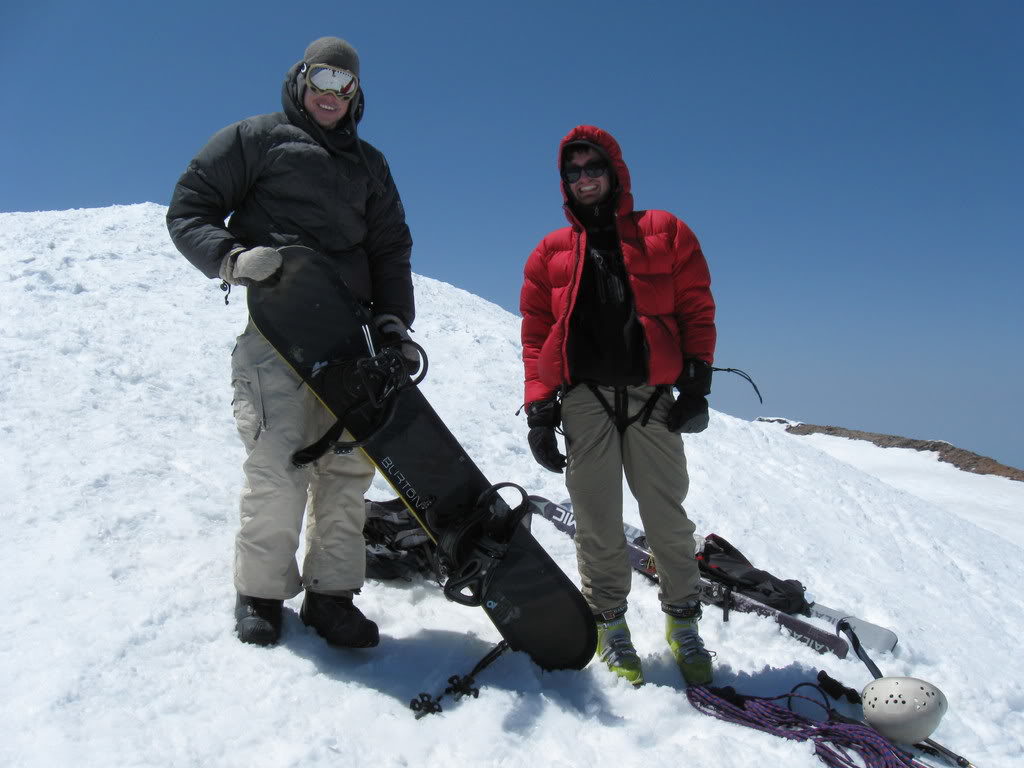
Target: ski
{"points": [[711, 593], [872, 636]]}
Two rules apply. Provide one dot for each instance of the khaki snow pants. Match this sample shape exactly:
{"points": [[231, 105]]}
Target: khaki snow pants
{"points": [[276, 415], [655, 468]]}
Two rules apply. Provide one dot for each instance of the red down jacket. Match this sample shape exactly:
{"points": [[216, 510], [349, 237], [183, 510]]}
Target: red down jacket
{"points": [[667, 273]]}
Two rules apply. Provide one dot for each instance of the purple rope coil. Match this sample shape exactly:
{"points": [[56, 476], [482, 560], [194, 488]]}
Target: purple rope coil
{"points": [[833, 741]]}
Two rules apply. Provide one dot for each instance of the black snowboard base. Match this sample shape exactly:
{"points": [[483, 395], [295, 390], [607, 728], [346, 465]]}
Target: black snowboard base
{"points": [[489, 559]]}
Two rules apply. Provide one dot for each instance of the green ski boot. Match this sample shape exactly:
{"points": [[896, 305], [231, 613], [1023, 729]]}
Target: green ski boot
{"points": [[615, 648], [684, 641]]}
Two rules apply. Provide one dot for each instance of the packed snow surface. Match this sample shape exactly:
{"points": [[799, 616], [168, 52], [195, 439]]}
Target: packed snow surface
{"points": [[120, 470]]}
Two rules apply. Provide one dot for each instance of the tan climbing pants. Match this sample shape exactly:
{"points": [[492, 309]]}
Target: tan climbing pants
{"points": [[276, 415], [654, 464]]}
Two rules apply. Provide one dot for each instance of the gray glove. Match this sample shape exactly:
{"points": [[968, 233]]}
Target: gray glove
{"points": [[394, 331], [249, 267]]}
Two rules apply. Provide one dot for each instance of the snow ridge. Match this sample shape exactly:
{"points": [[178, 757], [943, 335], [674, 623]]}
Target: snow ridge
{"points": [[120, 467]]}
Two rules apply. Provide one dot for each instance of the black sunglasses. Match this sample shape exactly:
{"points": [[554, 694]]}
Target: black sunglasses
{"points": [[594, 170]]}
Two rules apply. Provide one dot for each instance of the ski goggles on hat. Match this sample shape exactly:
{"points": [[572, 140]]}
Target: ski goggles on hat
{"points": [[325, 78], [594, 170]]}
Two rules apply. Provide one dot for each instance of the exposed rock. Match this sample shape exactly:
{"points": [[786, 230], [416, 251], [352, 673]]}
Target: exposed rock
{"points": [[959, 458]]}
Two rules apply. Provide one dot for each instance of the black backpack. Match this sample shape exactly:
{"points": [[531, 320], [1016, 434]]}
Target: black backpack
{"points": [[396, 546], [720, 561]]}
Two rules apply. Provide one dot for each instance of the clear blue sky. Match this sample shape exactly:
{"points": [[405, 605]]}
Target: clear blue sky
{"points": [[852, 169]]}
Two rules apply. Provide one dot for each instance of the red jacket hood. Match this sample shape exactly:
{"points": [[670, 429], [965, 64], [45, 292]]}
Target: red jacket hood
{"points": [[605, 143]]}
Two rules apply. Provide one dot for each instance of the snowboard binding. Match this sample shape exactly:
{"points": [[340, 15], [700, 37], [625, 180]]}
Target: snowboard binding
{"points": [[369, 382], [374, 380], [469, 549]]}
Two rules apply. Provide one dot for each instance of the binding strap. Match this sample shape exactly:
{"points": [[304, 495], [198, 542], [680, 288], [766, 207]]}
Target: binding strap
{"points": [[471, 548], [311, 453], [369, 381]]}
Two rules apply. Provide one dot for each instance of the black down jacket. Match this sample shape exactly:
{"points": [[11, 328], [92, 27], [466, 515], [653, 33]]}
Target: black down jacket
{"points": [[284, 180]]}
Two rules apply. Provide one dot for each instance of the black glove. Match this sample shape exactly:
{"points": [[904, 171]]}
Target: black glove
{"points": [[689, 413], [544, 447], [543, 416], [394, 331]]}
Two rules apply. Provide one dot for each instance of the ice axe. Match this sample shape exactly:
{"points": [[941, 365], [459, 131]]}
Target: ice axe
{"points": [[905, 710]]}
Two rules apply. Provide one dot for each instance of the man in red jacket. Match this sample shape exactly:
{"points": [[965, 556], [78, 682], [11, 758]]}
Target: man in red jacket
{"points": [[617, 310]]}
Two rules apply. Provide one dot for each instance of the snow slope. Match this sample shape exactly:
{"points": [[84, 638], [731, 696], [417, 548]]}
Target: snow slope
{"points": [[119, 471], [993, 503]]}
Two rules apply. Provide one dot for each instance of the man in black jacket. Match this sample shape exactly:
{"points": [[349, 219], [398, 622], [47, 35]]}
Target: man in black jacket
{"points": [[301, 176]]}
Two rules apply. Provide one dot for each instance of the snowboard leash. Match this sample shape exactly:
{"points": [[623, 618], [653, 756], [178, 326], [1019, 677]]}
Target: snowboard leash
{"points": [[742, 374], [458, 685]]}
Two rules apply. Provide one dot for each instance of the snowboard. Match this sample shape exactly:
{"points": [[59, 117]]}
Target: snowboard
{"points": [[486, 555], [711, 592]]}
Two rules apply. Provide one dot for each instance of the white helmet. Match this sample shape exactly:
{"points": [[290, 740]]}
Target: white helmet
{"points": [[903, 709]]}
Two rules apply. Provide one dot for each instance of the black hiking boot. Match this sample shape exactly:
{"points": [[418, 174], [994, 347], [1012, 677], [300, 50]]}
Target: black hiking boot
{"points": [[258, 620], [338, 621]]}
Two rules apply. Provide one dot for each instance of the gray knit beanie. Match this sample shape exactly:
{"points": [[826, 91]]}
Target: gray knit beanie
{"points": [[334, 51]]}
